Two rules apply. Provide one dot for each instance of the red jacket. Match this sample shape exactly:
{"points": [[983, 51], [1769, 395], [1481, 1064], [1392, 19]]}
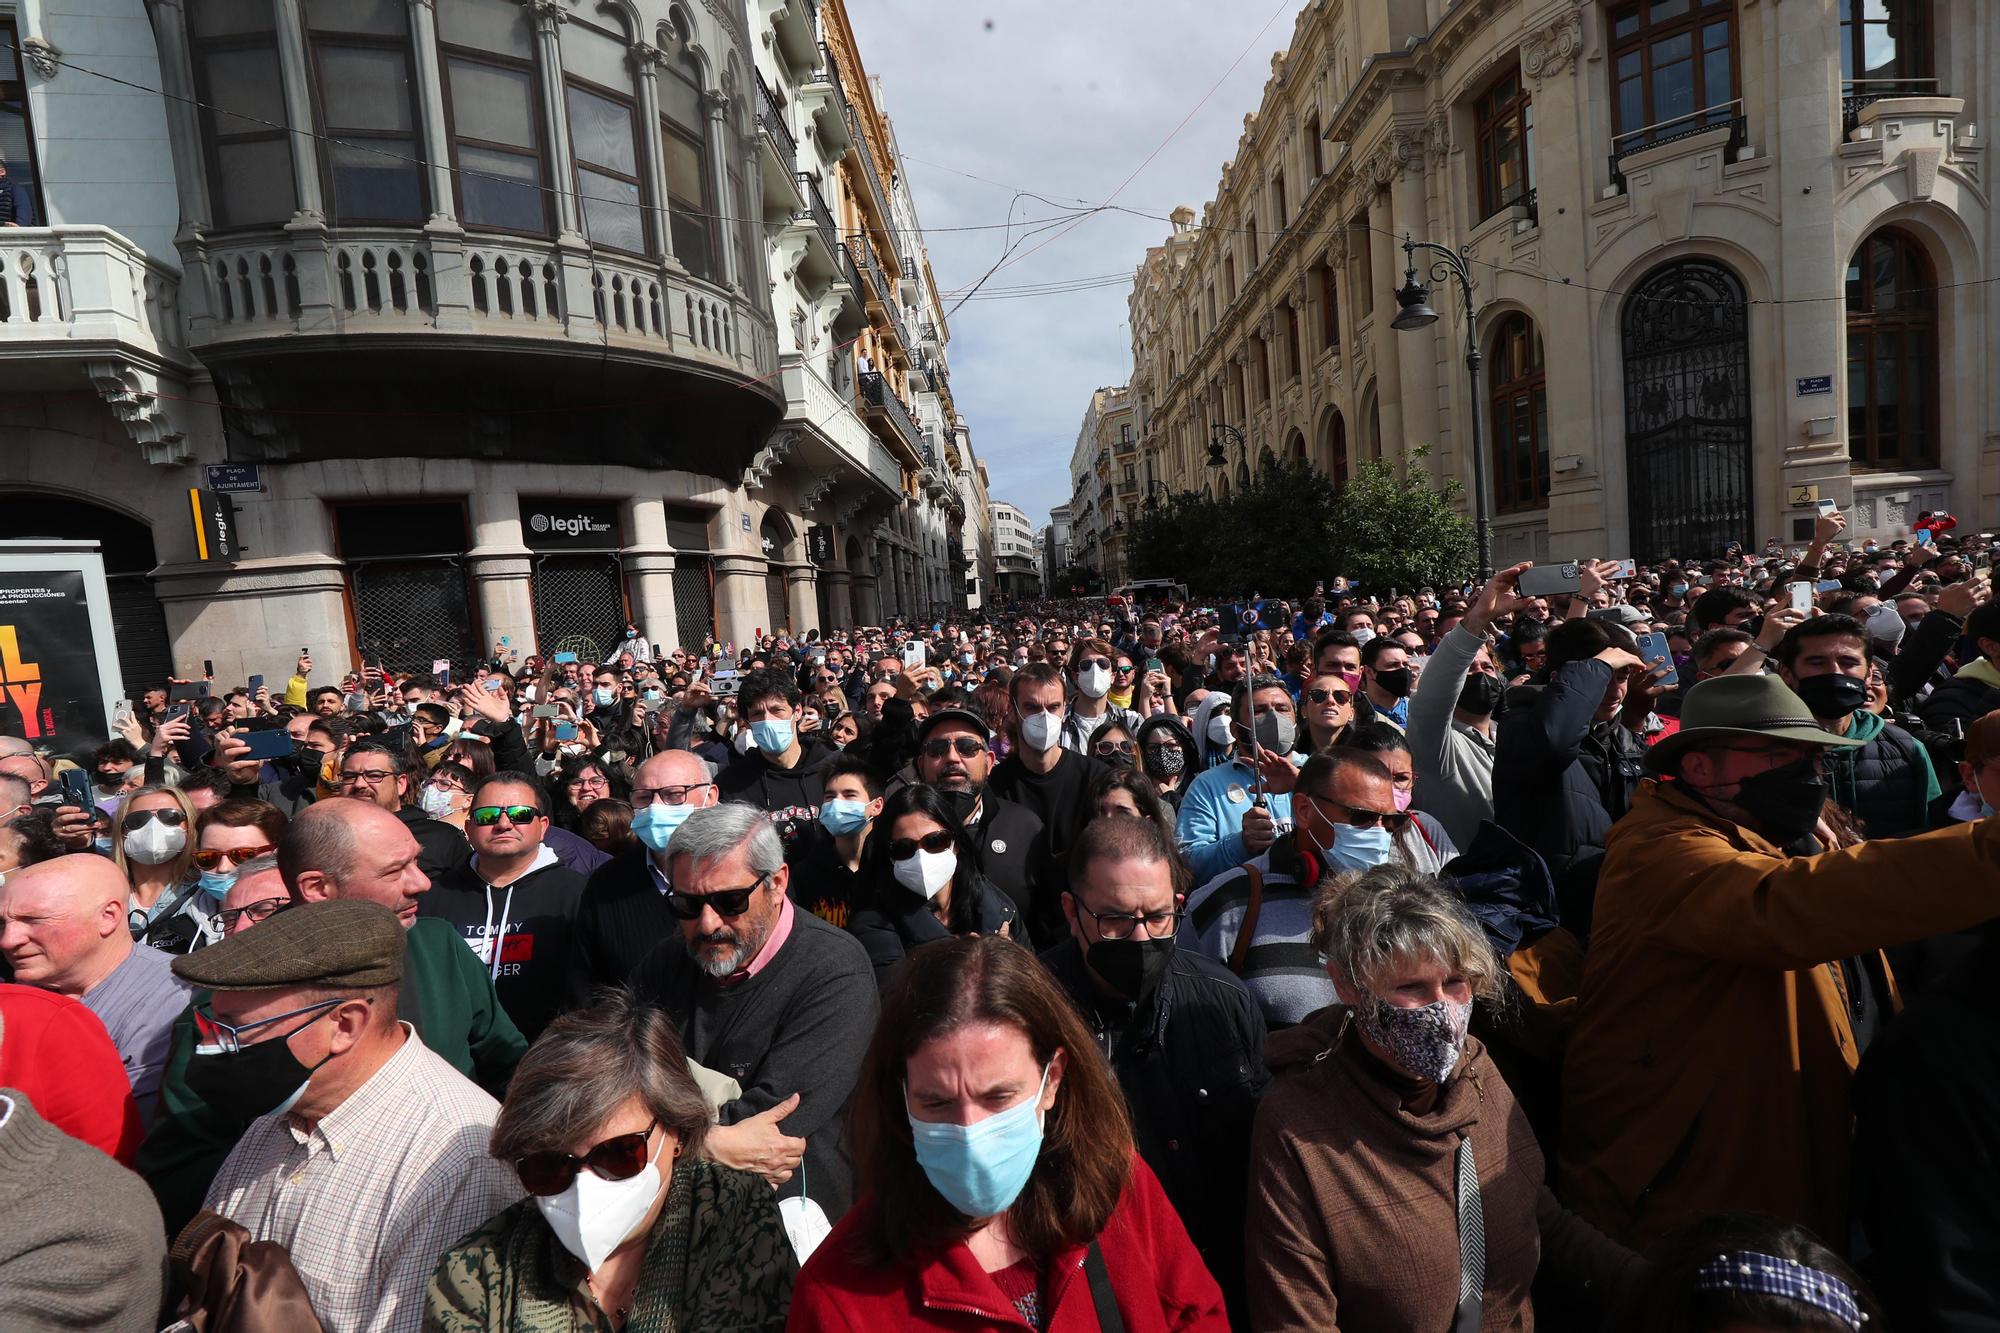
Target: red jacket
{"points": [[1156, 1276], [57, 1052]]}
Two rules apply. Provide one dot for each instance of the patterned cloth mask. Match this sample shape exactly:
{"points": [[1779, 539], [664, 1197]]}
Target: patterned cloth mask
{"points": [[1424, 1042]]}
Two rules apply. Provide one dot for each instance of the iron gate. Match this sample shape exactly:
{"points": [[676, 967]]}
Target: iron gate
{"points": [[140, 627], [1687, 411], [409, 613], [776, 616], [579, 604], [694, 601]]}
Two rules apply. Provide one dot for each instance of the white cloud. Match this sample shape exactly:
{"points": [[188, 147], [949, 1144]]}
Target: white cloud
{"points": [[1064, 98]]}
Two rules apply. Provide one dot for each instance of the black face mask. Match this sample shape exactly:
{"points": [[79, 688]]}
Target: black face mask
{"points": [[1133, 967], [1785, 800], [251, 1082], [1164, 761], [1832, 695], [1395, 684], [960, 804], [1480, 695]]}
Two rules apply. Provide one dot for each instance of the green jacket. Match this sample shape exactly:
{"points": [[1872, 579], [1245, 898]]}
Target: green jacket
{"points": [[446, 996]]}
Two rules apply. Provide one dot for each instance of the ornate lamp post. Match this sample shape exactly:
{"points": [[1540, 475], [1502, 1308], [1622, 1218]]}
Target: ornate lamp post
{"points": [[1416, 313]]}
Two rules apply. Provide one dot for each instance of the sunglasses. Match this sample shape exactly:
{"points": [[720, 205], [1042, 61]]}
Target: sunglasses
{"points": [[486, 816], [619, 1158], [1104, 662], [256, 912], [1327, 696], [902, 849], [138, 819], [725, 902], [210, 858], [1114, 747], [1123, 669], [1395, 822], [963, 746]]}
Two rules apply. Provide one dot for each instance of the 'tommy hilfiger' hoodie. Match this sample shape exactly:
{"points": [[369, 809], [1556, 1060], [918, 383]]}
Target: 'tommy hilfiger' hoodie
{"points": [[520, 931]]}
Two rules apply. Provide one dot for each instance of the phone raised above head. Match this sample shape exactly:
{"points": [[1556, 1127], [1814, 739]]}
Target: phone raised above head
{"points": [[1801, 595], [1653, 650], [275, 743], [564, 659], [1550, 580]]}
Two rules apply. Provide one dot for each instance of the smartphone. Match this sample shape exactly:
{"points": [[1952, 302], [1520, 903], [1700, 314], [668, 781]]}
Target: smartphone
{"points": [[275, 743], [1923, 536], [1828, 585], [1153, 664], [256, 684], [208, 668], [75, 788], [176, 712], [1625, 569], [491, 686], [565, 731], [1802, 597], [1654, 645], [1550, 580], [263, 722], [915, 656], [443, 677], [545, 710], [564, 659], [1982, 559], [192, 691]]}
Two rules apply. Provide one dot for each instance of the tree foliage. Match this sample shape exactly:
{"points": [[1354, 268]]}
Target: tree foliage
{"points": [[1403, 532]]}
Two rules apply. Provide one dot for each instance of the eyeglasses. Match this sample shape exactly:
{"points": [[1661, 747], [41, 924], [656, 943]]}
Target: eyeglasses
{"points": [[1120, 925], [618, 1158], [588, 780], [369, 776], [725, 902], [208, 858], [224, 1039], [138, 819], [486, 816], [1394, 822], [963, 746], [902, 849], [261, 910], [1114, 747], [645, 796], [1317, 696]]}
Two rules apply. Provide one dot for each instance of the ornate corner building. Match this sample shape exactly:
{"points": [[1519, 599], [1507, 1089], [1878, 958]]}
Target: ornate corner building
{"points": [[505, 319], [1730, 257]]}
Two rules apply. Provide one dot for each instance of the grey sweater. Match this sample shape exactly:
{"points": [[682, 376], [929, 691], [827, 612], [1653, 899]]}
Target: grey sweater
{"points": [[82, 1245], [1453, 762]]}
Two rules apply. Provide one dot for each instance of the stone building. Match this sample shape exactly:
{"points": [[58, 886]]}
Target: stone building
{"points": [[1722, 253], [1016, 563], [1105, 489], [476, 300]]}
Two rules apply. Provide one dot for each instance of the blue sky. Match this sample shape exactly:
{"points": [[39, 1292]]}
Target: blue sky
{"points": [[1064, 100]]}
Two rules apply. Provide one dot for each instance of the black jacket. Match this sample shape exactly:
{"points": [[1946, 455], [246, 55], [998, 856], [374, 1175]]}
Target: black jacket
{"points": [[441, 848], [1961, 700], [1191, 1063], [1922, 651], [1885, 783], [1012, 851], [622, 914], [898, 921], [793, 794], [528, 922]]}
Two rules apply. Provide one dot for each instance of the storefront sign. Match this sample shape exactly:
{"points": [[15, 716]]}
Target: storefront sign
{"points": [[214, 526], [52, 690], [819, 544], [569, 525]]}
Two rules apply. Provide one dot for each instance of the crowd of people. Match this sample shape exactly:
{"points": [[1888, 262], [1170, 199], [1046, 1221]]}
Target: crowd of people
{"points": [[1468, 959]]}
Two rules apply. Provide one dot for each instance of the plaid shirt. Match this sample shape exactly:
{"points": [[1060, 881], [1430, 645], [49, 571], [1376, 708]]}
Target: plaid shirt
{"points": [[371, 1196]]}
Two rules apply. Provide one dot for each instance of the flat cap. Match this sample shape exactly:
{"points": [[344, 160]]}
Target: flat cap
{"points": [[341, 942]]}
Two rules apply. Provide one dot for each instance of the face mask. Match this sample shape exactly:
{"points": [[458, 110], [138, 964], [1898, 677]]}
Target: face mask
{"points": [[1785, 800], [960, 804], [265, 1079], [216, 883], [154, 843], [1041, 731], [652, 696], [1164, 761], [602, 697], [843, 817], [1220, 734], [436, 801], [631, 634], [102, 845], [594, 1216], [1395, 684], [981, 1169], [1357, 848], [113, 781], [1133, 967], [1886, 624], [744, 740], [1678, 589], [1093, 681], [654, 825], [773, 736], [1402, 798], [1424, 1042], [965, 658], [1480, 695], [1362, 636], [1832, 695], [927, 872], [1276, 731]]}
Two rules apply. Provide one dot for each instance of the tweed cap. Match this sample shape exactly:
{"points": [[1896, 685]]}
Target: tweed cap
{"points": [[341, 943]]}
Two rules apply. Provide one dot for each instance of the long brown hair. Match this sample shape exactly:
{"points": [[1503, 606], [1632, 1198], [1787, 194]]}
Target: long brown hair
{"points": [[1086, 1153]]}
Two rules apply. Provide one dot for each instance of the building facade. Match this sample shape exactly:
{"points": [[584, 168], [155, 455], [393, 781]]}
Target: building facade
{"points": [[506, 319], [1105, 486], [1016, 562], [1721, 252], [1058, 549]]}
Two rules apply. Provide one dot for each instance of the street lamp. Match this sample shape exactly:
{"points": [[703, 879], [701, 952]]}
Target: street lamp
{"points": [[1154, 490], [1218, 435], [1415, 312]]}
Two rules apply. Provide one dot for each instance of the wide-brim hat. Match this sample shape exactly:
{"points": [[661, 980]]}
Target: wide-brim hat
{"points": [[1756, 705]]}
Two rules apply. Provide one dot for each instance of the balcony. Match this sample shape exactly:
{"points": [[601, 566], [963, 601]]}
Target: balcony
{"points": [[826, 102], [847, 283], [797, 29], [1723, 115], [1858, 93], [911, 285], [880, 296], [808, 398], [881, 407], [819, 213], [780, 152], [878, 196]]}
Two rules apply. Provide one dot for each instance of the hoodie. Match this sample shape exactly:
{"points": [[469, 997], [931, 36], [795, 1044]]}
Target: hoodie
{"points": [[791, 795], [520, 932], [1172, 725]]}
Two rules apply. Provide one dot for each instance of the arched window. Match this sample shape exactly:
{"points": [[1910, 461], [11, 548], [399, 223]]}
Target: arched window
{"points": [[1891, 354], [604, 136], [1336, 450], [1520, 417], [685, 140]]}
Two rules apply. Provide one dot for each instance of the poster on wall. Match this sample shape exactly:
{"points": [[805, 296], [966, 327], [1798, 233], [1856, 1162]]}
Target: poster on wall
{"points": [[50, 678]]}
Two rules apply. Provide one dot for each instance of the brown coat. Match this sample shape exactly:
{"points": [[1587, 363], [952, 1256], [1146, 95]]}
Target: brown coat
{"points": [[1709, 1064], [1353, 1199]]}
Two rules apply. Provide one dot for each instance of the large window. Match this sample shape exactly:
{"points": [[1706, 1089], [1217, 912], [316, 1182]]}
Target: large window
{"points": [[366, 104], [1504, 127], [243, 122], [1892, 355], [1673, 68], [1329, 308], [1294, 352], [1520, 413], [684, 137], [494, 114], [1361, 255], [1883, 44], [603, 137], [20, 190]]}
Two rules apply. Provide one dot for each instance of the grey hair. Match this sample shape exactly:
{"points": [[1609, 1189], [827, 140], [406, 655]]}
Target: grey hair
{"points": [[257, 865], [588, 1063], [715, 831], [1361, 921]]}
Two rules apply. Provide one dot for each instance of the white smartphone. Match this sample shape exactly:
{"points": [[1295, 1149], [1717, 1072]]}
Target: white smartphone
{"points": [[1802, 597], [915, 656]]}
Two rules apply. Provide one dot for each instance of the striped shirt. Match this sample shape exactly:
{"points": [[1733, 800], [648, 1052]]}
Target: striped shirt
{"points": [[369, 1198], [1280, 967]]}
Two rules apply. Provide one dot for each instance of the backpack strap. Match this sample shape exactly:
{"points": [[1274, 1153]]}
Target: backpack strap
{"points": [[1250, 915], [1108, 1318]]}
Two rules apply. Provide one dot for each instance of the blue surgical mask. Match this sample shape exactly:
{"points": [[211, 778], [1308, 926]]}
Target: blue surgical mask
{"points": [[774, 735], [654, 824], [1678, 589], [841, 818], [217, 882], [602, 697], [651, 696], [1358, 848], [980, 1169]]}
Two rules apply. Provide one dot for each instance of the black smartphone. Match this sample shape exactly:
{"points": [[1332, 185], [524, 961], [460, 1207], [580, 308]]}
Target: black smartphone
{"points": [[256, 684], [191, 691], [208, 668], [76, 788], [175, 712], [273, 744], [263, 722]]}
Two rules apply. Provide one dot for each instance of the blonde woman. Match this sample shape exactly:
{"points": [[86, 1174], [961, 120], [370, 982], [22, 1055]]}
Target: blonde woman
{"points": [[153, 846]]}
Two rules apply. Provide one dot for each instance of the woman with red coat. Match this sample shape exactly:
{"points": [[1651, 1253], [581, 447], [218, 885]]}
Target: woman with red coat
{"points": [[1006, 1191]]}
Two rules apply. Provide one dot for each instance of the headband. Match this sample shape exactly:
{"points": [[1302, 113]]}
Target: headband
{"points": [[1768, 1275]]}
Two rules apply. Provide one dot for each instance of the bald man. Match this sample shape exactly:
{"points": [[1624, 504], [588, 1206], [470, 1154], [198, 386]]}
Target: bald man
{"points": [[624, 912], [62, 927], [345, 847]]}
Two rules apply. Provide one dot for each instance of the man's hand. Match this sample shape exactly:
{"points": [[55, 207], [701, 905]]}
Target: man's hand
{"points": [[696, 696], [305, 666], [489, 704], [1828, 527], [1258, 830], [1592, 577], [1962, 599], [229, 749], [72, 828], [1501, 596], [1619, 660], [758, 1145], [1777, 622], [1919, 556], [169, 734], [1275, 766]]}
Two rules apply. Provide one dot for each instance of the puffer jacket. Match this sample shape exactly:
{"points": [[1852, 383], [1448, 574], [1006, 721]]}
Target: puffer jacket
{"points": [[1888, 782], [1554, 749], [1964, 699]]}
